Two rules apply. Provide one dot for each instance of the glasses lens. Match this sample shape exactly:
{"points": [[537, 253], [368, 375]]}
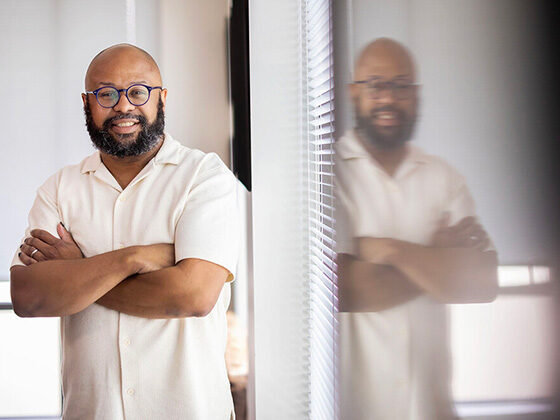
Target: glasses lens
{"points": [[108, 97], [138, 94]]}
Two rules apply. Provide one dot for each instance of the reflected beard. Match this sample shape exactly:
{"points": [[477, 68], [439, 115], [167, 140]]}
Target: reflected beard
{"points": [[381, 140], [147, 138]]}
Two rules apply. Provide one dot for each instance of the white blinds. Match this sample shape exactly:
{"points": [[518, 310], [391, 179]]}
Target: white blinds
{"points": [[318, 80]]}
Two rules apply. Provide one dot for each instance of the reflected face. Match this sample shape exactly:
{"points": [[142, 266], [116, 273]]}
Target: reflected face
{"points": [[125, 129], [385, 99]]}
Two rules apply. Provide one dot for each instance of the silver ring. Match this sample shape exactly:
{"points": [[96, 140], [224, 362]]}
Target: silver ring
{"points": [[34, 251]]}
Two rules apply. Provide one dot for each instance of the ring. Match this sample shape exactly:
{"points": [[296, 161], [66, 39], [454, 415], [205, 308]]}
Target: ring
{"points": [[34, 251], [473, 237]]}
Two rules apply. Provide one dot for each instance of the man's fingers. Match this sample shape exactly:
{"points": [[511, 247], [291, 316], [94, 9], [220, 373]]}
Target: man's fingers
{"points": [[32, 252], [26, 260], [464, 224], [483, 244], [444, 220], [38, 244], [63, 233], [44, 236]]}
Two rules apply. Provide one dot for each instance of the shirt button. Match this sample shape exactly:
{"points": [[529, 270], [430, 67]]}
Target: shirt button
{"points": [[126, 341], [121, 199], [130, 391]]}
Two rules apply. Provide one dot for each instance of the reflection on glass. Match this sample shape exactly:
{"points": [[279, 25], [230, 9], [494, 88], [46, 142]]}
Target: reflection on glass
{"points": [[409, 241]]}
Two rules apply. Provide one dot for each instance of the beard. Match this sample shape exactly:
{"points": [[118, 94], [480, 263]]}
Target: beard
{"points": [[118, 146], [379, 139]]}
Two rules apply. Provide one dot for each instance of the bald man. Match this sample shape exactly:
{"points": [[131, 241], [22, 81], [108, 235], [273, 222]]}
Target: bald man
{"points": [[134, 249], [409, 242]]}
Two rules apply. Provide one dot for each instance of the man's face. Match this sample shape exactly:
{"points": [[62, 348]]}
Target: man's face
{"points": [[385, 109], [125, 129]]}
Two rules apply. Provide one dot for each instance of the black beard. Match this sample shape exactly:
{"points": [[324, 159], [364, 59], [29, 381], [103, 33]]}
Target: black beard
{"points": [[380, 140], [147, 139]]}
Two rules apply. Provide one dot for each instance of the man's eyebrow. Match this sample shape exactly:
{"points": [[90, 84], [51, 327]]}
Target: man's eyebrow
{"points": [[143, 82]]}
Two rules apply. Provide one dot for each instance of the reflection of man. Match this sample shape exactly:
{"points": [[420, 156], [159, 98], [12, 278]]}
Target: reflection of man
{"points": [[408, 241], [139, 282]]}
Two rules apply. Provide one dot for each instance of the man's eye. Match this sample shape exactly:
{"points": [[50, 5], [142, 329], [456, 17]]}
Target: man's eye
{"points": [[138, 93]]}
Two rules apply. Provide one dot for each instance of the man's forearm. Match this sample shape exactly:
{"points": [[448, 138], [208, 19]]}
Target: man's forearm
{"points": [[189, 288], [368, 287], [64, 287], [451, 275]]}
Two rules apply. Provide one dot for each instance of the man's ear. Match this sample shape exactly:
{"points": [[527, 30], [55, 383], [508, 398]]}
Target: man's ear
{"points": [[84, 98], [163, 97], [354, 91]]}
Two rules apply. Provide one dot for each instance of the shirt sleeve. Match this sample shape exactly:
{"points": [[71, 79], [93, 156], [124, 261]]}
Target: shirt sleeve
{"points": [[208, 228], [461, 204], [44, 213]]}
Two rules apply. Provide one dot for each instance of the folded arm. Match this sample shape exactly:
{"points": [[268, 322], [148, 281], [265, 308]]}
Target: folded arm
{"points": [[189, 288], [388, 272], [368, 287], [151, 285], [64, 287], [450, 275]]}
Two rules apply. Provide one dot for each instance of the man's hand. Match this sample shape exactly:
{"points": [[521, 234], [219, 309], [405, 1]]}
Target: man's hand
{"points": [[465, 234], [154, 257], [42, 246]]}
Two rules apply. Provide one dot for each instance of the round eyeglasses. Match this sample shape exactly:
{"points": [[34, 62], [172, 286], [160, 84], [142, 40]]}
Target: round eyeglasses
{"points": [[109, 96], [399, 90]]}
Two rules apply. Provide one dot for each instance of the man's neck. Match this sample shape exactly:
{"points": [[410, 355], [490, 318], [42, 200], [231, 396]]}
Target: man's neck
{"points": [[388, 158], [125, 169]]}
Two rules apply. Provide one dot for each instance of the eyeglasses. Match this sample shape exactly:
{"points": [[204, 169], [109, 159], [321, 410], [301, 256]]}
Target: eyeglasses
{"points": [[399, 90], [109, 96]]}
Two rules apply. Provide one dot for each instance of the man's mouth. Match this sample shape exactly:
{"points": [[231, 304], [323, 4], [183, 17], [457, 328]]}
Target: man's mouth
{"points": [[386, 118], [125, 126]]}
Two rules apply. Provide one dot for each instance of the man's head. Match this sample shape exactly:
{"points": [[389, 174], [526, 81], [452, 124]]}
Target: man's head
{"points": [[124, 129], [384, 93]]}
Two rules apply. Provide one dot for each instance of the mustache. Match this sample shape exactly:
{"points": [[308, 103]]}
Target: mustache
{"points": [[376, 111], [139, 118]]}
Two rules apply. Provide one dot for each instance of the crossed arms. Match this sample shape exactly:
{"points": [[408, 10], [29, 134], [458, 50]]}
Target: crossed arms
{"points": [[386, 272], [142, 281]]}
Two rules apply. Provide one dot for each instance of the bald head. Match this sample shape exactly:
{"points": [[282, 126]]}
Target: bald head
{"points": [[120, 61], [384, 93], [385, 57]]}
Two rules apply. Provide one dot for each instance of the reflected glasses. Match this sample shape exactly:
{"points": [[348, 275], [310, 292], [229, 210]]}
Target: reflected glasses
{"points": [[398, 90], [137, 95]]}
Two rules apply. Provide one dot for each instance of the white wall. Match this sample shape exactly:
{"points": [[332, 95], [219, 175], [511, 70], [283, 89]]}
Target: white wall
{"points": [[195, 70]]}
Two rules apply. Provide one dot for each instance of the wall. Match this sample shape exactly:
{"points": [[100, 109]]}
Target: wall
{"points": [[194, 63]]}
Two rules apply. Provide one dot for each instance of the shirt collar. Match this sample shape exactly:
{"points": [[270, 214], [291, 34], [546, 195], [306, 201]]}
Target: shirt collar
{"points": [[349, 147], [167, 154]]}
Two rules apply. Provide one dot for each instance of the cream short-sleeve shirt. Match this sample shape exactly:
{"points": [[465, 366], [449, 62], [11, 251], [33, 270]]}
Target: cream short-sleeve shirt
{"points": [[118, 366], [395, 362]]}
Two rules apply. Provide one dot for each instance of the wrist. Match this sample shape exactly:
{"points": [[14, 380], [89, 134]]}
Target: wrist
{"points": [[131, 257], [383, 251]]}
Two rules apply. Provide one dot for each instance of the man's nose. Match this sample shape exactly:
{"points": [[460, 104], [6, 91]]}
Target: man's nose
{"points": [[123, 105], [387, 96]]}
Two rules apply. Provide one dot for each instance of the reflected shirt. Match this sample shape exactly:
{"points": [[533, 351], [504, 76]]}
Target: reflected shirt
{"points": [[395, 362]]}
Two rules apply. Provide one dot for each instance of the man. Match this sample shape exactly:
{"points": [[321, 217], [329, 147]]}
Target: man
{"points": [[134, 248], [409, 242]]}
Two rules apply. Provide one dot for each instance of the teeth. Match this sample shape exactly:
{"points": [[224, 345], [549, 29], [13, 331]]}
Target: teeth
{"points": [[386, 117], [125, 124]]}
